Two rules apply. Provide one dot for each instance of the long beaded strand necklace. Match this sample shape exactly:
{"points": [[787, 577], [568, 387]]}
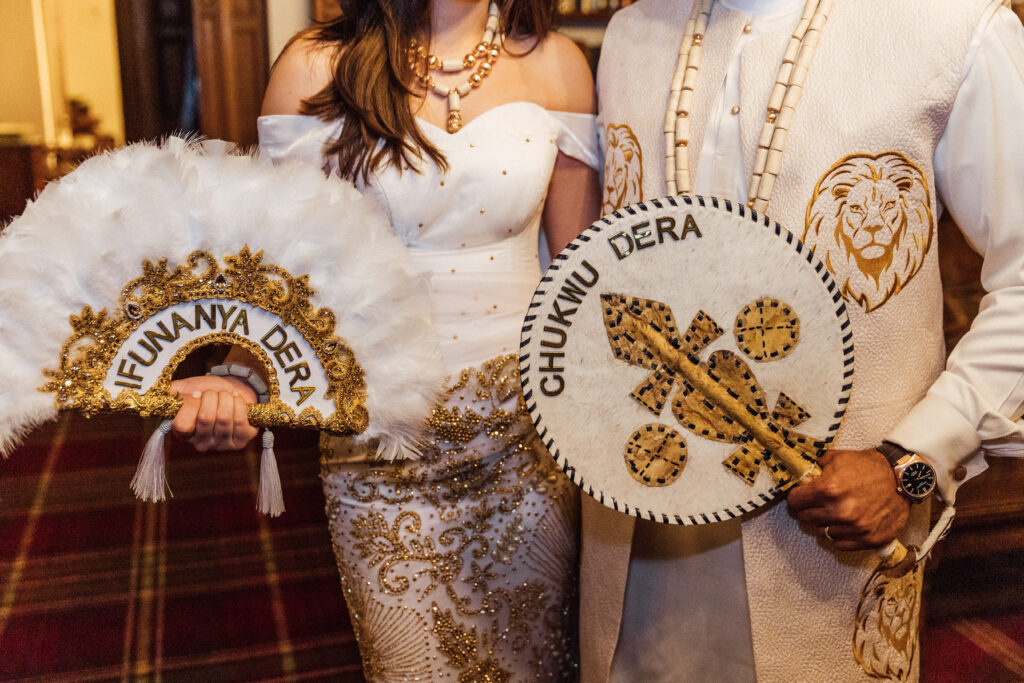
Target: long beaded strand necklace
{"points": [[786, 94], [480, 61]]}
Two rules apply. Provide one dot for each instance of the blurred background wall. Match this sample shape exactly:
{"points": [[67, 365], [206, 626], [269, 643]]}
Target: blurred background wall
{"points": [[81, 76], [21, 107]]}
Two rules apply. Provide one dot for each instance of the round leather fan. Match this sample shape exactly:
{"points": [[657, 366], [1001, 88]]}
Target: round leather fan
{"points": [[685, 359]]}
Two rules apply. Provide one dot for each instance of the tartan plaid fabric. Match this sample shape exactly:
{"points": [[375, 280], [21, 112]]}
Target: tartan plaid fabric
{"points": [[95, 585], [990, 650]]}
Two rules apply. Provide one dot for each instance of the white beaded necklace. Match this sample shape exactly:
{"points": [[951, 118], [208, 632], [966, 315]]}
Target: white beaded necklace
{"points": [[789, 87], [480, 60]]}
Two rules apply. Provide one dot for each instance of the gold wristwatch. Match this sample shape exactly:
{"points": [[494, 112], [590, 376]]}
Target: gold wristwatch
{"points": [[915, 477]]}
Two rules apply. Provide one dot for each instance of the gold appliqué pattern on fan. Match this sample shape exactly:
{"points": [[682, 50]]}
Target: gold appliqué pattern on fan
{"points": [[633, 323], [766, 330], [655, 455]]}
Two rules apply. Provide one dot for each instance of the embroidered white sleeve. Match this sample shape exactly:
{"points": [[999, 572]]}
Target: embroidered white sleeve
{"points": [[979, 171]]}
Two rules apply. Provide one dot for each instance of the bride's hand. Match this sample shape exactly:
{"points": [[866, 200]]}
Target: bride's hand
{"points": [[213, 415]]}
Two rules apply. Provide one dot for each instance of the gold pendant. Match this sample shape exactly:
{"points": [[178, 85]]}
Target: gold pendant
{"points": [[454, 121]]}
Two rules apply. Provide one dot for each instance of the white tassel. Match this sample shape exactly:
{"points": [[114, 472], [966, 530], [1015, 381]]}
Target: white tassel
{"points": [[270, 500], [150, 481], [939, 531]]}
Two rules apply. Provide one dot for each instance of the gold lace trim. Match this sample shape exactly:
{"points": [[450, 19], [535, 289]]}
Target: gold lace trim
{"points": [[86, 356]]}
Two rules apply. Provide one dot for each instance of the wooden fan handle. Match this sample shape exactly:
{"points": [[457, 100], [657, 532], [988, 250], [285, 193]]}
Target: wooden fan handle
{"points": [[891, 556]]}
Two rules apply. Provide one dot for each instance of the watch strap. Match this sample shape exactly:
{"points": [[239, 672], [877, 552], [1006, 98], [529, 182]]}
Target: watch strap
{"points": [[893, 452]]}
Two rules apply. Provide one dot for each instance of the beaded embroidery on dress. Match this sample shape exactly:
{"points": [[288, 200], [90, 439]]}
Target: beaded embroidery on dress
{"points": [[474, 546], [462, 565]]}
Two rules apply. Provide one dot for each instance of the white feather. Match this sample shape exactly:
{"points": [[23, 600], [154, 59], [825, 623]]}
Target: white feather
{"points": [[87, 235]]}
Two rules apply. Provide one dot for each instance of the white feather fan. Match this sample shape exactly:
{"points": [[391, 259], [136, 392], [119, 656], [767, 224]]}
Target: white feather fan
{"points": [[86, 237]]}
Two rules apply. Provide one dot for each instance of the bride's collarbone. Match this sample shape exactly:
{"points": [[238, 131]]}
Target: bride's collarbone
{"points": [[514, 78], [437, 114]]}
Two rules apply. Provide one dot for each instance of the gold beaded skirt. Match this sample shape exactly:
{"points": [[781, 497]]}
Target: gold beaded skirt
{"points": [[462, 565]]}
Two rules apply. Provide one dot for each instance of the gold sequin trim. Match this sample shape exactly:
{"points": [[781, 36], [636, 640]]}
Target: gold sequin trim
{"points": [[96, 338]]}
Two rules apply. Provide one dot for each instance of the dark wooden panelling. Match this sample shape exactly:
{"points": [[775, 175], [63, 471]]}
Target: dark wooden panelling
{"points": [[325, 10], [231, 55], [22, 175], [155, 50]]}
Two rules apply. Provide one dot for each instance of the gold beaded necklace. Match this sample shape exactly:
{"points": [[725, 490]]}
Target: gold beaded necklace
{"points": [[480, 61], [789, 87]]}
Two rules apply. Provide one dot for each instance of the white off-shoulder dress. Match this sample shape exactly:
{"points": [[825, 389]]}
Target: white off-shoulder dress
{"points": [[462, 565]]}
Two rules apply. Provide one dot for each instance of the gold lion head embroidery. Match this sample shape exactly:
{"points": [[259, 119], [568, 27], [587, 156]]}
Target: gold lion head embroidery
{"points": [[887, 624], [871, 215], [623, 169]]}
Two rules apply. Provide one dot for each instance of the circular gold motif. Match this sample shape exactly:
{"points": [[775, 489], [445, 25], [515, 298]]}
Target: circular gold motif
{"points": [[767, 330], [655, 455]]}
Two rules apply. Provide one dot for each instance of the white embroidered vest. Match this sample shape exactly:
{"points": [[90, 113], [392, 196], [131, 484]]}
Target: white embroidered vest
{"points": [[857, 186]]}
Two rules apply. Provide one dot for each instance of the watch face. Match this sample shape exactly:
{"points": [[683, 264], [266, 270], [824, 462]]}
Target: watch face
{"points": [[918, 479]]}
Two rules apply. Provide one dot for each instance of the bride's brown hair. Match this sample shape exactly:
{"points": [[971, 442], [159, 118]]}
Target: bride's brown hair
{"points": [[371, 85]]}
